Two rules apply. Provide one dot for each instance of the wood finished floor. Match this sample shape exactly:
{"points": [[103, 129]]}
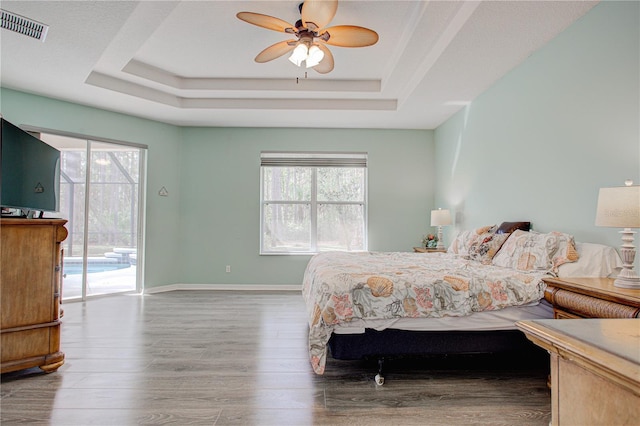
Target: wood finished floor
{"points": [[240, 358]]}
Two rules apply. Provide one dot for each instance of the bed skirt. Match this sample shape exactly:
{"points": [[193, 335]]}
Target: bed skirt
{"points": [[393, 342]]}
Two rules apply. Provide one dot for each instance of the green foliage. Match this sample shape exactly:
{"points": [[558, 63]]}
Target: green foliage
{"points": [[113, 199], [339, 207]]}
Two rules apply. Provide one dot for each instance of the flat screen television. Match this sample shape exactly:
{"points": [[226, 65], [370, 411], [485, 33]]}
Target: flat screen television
{"points": [[29, 172]]}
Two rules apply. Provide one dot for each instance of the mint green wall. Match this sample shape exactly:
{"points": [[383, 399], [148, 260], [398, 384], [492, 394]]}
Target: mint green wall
{"points": [[211, 217], [162, 158], [540, 143], [220, 192], [536, 146]]}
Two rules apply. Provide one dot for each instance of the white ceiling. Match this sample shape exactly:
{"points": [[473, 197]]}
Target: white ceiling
{"points": [[191, 62]]}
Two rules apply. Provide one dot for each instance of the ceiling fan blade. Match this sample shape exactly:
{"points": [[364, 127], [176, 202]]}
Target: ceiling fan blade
{"points": [[275, 51], [326, 65], [351, 36], [318, 13], [266, 21]]}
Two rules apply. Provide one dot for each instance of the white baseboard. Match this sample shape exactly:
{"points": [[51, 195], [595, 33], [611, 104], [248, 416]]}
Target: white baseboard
{"points": [[224, 287]]}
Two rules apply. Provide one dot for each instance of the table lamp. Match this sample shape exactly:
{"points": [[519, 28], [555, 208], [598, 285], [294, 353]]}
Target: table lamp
{"points": [[619, 207], [440, 218]]}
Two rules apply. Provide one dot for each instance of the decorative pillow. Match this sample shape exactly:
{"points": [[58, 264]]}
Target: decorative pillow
{"points": [[486, 246], [596, 260], [526, 251], [509, 227], [461, 244], [529, 251], [566, 250]]}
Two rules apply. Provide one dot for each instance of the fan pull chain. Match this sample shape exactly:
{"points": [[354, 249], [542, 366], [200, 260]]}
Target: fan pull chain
{"points": [[298, 78]]}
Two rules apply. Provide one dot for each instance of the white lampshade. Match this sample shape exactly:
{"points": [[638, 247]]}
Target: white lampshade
{"points": [[440, 217], [315, 56], [619, 207]]}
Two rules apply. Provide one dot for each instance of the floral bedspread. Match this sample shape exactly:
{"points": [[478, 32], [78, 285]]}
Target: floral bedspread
{"points": [[341, 286]]}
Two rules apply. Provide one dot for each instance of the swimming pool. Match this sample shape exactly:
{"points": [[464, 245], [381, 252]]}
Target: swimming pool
{"points": [[93, 267]]}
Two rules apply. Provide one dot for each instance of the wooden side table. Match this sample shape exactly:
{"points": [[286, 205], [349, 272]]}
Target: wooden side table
{"points": [[595, 369], [591, 298], [428, 250]]}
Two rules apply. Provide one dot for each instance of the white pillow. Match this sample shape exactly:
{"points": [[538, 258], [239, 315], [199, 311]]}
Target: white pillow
{"points": [[596, 260], [453, 247]]}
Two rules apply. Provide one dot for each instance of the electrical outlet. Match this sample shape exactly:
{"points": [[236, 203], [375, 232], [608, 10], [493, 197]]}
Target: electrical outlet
{"points": [[228, 269]]}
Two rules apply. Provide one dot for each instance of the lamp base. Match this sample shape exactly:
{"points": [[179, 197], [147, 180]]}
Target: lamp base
{"points": [[627, 277], [440, 244], [625, 282]]}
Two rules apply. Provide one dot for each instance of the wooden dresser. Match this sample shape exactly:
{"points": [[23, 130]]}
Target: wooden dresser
{"points": [[591, 298], [595, 369], [30, 286]]}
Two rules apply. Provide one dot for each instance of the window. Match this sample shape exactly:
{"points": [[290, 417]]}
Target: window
{"points": [[312, 202]]}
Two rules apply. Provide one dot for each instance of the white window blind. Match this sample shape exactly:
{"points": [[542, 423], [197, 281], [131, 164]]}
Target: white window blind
{"points": [[313, 159]]}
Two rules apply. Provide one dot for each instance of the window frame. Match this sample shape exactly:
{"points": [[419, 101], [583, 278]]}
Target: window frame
{"points": [[314, 160]]}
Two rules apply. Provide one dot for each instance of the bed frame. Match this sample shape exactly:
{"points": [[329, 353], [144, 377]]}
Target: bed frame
{"points": [[392, 343]]}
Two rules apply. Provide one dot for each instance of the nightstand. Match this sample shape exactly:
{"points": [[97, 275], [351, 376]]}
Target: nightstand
{"points": [[594, 369], [428, 250], [591, 298]]}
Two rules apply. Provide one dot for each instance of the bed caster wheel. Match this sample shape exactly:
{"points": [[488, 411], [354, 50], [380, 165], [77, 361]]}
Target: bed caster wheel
{"points": [[379, 380]]}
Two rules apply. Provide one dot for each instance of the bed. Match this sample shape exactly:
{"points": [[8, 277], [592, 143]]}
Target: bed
{"points": [[382, 304]]}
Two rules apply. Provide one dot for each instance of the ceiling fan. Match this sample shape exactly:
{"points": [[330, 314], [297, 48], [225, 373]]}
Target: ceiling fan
{"points": [[312, 36]]}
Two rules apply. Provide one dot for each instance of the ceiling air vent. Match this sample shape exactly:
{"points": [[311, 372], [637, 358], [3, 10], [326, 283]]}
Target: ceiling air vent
{"points": [[22, 25]]}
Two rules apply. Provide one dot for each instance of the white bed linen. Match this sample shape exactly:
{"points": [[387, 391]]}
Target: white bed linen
{"points": [[503, 319]]}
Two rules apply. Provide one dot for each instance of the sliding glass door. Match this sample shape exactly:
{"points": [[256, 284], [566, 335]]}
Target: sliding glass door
{"points": [[101, 196]]}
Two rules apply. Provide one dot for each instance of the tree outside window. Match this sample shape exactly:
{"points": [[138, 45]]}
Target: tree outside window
{"points": [[313, 202]]}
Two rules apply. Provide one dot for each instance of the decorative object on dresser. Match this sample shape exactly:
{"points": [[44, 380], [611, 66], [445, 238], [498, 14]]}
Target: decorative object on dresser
{"points": [[619, 207], [591, 298], [440, 218], [594, 369], [30, 287], [430, 242]]}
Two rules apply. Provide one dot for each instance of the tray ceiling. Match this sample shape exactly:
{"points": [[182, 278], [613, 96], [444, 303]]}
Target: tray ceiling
{"points": [[191, 62]]}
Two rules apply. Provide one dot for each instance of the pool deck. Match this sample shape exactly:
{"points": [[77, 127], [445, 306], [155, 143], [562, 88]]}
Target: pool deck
{"points": [[98, 283]]}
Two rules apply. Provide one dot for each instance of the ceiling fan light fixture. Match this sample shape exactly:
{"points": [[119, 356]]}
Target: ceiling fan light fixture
{"points": [[315, 56], [299, 54], [311, 28]]}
